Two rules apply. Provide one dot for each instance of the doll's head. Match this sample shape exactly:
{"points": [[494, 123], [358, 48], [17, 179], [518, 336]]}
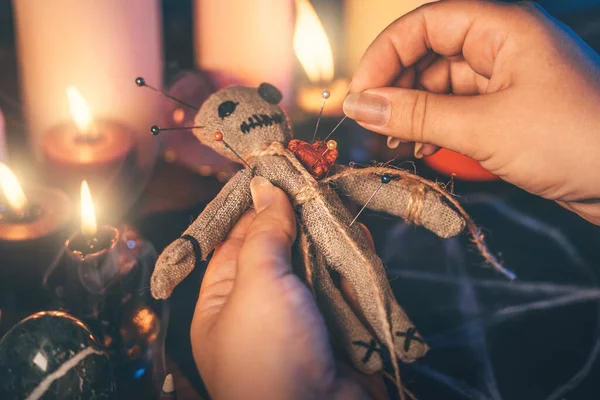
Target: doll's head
{"points": [[246, 116]]}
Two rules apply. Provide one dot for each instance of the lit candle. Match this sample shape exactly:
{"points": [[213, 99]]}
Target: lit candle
{"points": [[33, 225], [247, 39], [91, 244], [23, 218], [98, 46], [103, 279], [98, 150], [313, 50]]}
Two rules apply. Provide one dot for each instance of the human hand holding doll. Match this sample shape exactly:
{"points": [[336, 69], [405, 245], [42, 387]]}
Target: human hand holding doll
{"points": [[525, 104]]}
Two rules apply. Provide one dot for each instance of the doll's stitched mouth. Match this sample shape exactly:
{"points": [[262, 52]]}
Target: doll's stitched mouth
{"points": [[260, 120]]}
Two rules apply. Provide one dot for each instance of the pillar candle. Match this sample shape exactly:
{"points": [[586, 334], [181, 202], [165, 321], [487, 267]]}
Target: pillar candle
{"points": [[365, 19], [100, 47], [248, 39]]}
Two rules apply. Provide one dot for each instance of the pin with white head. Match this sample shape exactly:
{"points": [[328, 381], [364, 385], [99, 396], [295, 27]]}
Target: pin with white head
{"points": [[325, 94], [331, 145]]}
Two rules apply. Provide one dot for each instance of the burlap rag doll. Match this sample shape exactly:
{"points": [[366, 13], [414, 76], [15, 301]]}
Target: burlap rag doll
{"points": [[249, 121]]}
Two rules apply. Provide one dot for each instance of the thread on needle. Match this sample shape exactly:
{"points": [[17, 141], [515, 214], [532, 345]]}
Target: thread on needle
{"points": [[334, 129], [141, 82], [325, 95], [218, 136], [385, 179]]}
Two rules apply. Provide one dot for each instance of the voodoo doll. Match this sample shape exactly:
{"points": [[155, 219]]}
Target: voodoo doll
{"points": [[247, 122]]}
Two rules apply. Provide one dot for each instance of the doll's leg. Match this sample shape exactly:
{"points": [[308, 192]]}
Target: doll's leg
{"points": [[408, 344], [347, 251], [200, 239], [364, 351]]}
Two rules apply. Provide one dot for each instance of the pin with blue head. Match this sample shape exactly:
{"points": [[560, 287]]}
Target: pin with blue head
{"points": [[385, 179]]}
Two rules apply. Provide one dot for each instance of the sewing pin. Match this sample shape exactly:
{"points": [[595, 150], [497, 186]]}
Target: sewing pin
{"points": [[334, 129], [218, 136], [155, 130], [141, 82], [325, 95], [331, 145], [385, 179]]}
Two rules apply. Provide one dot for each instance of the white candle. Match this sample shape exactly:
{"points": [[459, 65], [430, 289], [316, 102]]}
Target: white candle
{"points": [[365, 19], [249, 39], [98, 46]]}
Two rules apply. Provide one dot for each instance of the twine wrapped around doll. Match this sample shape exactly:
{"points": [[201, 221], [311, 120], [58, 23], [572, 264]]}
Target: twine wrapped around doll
{"points": [[417, 191]]}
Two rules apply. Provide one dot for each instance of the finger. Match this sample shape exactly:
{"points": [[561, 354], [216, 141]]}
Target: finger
{"points": [[456, 77], [266, 252], [476, 30], [368, 235], [453, 122], [425, 150], [221, 271], [373, 384]]}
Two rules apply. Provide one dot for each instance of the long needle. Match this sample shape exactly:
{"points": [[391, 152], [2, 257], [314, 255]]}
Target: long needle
{"points": [[155, 130], [142, 82], [334, 129], [325, 95], [218, 136], [384, 180]]}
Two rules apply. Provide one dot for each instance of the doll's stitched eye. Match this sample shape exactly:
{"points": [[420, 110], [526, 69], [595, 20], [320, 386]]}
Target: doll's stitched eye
{"points": [[227, 108]]}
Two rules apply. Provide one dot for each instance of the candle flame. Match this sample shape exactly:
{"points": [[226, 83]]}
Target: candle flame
{"points": [[311, 44], [88, 214], [12, 190], [80, 111]]}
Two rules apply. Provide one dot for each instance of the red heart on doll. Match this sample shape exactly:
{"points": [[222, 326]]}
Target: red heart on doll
{"points": [[317, 158]]}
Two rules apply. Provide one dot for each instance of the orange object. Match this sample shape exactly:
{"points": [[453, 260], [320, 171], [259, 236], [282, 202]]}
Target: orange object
{"points": [[462, 167], [316, 158]]}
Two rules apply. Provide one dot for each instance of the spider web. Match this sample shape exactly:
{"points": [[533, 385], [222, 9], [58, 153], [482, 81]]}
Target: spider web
{"points": [[535, 338]]}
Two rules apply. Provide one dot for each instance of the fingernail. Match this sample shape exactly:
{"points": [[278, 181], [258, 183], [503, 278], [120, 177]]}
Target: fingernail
{"points": [[393, 142], [418, 147], [367, 108], [262, 193]]}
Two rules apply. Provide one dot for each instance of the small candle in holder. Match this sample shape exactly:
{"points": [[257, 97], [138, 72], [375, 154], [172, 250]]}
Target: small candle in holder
{"points": [[97, 150], [90, 253], [313, 50], [32, 229], [103, 278]]}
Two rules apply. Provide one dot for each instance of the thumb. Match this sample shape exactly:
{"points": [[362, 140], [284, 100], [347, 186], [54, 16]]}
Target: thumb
{"points": [[266, 252], [452, 122]]}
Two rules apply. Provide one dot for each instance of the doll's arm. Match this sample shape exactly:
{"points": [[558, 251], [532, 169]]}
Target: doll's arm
{"points": [[201, 238], [406, 198]]}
